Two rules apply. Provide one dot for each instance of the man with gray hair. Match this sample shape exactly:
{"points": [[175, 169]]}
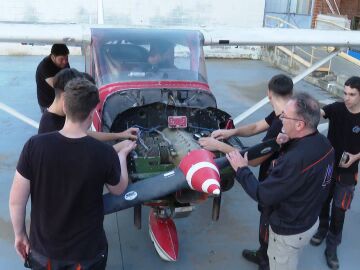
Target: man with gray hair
{"points": [[297, 184]]}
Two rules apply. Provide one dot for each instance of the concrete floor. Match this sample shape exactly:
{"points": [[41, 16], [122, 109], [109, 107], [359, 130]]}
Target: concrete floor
{"points": [[204, 244]]}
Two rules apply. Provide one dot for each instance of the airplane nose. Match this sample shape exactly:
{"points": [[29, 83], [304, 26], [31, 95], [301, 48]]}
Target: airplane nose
{"points": [[201, 172]]}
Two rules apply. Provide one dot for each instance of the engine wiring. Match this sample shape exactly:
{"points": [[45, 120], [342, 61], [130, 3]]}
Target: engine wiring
{"points": [[148, 130]]}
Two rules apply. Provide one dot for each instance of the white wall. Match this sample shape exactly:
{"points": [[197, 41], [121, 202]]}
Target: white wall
{"points": [[205, 13], [240, 13], [63, 11]]}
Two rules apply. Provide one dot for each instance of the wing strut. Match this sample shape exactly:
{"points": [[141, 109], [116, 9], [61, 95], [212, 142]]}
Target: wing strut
{"points": [[296, 79], [100, 12]]}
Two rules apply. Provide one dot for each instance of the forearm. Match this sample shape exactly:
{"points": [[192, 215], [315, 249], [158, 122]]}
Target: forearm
{"points": [[224, 148], [124, 180], [248, 181], [322, 112], [17, 215], [19, 195], [258, 161], [103, 136], [246, 131]]}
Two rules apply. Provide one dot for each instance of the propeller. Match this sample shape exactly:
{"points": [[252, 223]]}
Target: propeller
{"points": [[197, 170], [254, 152]]}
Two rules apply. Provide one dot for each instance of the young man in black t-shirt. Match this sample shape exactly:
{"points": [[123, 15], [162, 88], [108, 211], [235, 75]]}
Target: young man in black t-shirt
{"points": [[45, 72], [53, 118], [64, 172], [280, 89], [344, 135]]}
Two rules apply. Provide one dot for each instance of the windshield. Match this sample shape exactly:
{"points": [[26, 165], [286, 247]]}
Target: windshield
{"points": [[146, 54]]}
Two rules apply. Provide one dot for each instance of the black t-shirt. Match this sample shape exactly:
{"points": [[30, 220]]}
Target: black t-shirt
{"points": [[46, 69], [51, 122], [275, 126], [67, 177], [344, 133]]}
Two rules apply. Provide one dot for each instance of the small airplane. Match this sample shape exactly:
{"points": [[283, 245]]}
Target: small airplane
{"points": [[170, 101], [156, 80]]}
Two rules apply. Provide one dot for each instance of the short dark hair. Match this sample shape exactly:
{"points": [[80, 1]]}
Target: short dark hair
{"points": [[281, 85], [63, 77], [160, 47], [308, 108], [81, 97], [59, 49], [353, 82], [88, 77]]}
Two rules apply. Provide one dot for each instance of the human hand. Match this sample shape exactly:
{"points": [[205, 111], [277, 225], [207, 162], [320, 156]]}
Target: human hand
{"points": [[237, 160], [221, 134], [347, 163], [121, 146], [282, 138], [130, 133], [22, 245], [126, 147], [209, 143]]}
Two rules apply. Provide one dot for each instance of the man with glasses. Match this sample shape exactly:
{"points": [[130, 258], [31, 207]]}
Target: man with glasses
{"points": [[297, 184], [344, 135], [280, 89]]}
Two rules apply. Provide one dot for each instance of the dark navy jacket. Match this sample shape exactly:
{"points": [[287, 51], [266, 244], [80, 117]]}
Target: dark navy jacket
{"points": [[297, 185]]}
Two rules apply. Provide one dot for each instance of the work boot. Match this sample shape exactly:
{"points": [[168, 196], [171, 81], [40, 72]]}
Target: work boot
{"points": [[332, 259], [252, 256], [264, 266], [318, 237]]}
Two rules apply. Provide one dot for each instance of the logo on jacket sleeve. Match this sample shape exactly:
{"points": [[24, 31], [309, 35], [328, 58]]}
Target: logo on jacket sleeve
{"points": [[328, 174]]}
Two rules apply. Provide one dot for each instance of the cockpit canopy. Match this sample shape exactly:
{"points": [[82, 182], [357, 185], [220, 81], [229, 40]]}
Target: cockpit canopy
{"points": [[147, 55]]}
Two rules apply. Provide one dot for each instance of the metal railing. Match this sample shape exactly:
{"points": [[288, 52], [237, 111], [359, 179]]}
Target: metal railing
{"points": [[314, 50]]}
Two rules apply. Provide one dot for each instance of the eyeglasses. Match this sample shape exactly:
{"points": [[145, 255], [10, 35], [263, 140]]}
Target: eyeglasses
{"points": [[282, 116]]}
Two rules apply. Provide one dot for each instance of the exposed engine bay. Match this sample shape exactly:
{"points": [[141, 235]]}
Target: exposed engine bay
{"points": [[167, 133]]}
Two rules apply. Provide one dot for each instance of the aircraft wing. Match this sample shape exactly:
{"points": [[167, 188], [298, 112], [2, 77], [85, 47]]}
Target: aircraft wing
{"points": [[78, 34], [281, 36], [42, 34]]}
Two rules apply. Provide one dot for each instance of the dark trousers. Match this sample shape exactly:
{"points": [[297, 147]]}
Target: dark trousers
{"points": [[340, 198], [264, 234], [40, 262]]}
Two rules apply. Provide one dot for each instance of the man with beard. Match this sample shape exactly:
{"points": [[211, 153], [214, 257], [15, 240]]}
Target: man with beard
{"points": [[45, 72]]}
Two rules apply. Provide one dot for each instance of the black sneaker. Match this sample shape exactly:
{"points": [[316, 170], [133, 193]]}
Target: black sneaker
{"points": [[264, 267], [318, 237], [332, 260], [251, 256]]}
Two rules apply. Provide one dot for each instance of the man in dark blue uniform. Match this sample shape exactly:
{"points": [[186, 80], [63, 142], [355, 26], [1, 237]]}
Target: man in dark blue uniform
{"points": [[280, 89], [297, 184], [344, 135]]}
